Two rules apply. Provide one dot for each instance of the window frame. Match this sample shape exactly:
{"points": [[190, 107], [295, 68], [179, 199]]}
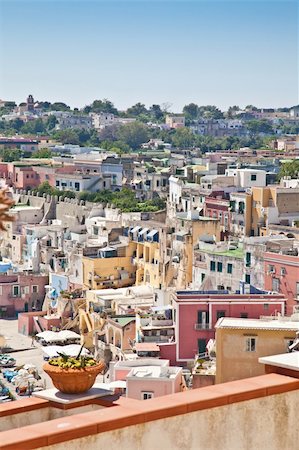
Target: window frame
{"points": [[147, 395], [250, 344]]}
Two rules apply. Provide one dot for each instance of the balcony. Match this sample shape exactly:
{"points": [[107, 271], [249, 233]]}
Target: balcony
{"points": [[202, 326]]}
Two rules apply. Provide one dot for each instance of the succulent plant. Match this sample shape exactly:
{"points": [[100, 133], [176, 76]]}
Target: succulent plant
{"points": [[71, 362]]}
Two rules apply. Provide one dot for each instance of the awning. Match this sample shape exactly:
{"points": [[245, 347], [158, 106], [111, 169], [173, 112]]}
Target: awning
{"points": [[147, 347], [135, 229], [136, 181], [143, 231], [152, 233]]}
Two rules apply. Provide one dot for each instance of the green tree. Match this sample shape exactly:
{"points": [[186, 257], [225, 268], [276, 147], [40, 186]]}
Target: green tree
{"points": [[42, 153], [98, 106], [137, 110], [210, 112], [289, 169], [183, 138], [259, 126], [133, 134], [156, 112], [68, 136], [59, 106], [51, 122], [9, 155], [191, 111]]}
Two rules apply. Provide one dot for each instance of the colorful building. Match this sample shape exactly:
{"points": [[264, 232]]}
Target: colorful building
{"points": [[241, 342], [196, 313]]}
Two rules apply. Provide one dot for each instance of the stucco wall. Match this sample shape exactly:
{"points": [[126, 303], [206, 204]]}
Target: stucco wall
{"points": [[238, 426]]}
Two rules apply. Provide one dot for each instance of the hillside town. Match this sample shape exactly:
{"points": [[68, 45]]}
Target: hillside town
{"points": [[163, 245]]}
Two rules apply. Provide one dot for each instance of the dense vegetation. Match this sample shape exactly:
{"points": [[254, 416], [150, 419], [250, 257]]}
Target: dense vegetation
{"points": [[125, 138], [289, 169], [125, 199]]}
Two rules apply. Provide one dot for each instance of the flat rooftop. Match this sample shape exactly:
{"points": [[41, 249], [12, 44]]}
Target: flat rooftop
{"points": [[285, 360], [257, 324]]}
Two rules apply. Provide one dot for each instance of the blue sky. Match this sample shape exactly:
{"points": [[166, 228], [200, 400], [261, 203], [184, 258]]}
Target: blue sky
{"points": [[209, 52]]}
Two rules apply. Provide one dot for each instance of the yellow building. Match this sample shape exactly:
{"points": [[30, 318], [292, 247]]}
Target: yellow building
{"points": [[189, 230], [147, 262], [113, 267], [241, 342], [273, 205]]}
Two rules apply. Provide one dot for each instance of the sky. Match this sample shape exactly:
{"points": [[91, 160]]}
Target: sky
{"points": [[173, 51]]}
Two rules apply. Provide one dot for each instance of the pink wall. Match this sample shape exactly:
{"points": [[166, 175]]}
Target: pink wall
{"points": [[168, 351], [120, 374], [188, 336], [287, 283], [26, 322], [158, 387], [14, 305]]}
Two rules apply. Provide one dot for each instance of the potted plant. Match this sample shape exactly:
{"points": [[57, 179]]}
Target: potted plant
{"points": [[73, 375]]}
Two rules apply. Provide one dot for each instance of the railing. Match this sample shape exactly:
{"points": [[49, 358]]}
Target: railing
{"points": [[202, 326]]}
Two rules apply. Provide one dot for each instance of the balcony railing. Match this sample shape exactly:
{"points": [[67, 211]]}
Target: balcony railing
{"points": [[202, 326]]}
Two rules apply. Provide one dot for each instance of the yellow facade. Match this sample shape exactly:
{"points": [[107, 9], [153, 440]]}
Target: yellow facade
{"points": [[116, 272], [235, 362], [148, 264]]}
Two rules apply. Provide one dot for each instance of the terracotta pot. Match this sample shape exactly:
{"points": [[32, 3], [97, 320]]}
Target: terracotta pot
{"points": [[73, 381]]}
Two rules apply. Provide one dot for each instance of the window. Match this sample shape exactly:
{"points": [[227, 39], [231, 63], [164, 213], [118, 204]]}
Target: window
{"points": [[203, 318], [220, 314], [283, 271], [297, 290], [57, 183], [244, 315], [77, 186], [229, 268], [275, 284], [202, 346], [0, 290], [146, 395], [219, 266], [34, 289], [288, 342], [203, 275], [212, 266], [47, 177], [247, 278], [250, 344], [266, 306], [26, 289], [253, 177], [248, 259], [271, 268], [16, 291]]}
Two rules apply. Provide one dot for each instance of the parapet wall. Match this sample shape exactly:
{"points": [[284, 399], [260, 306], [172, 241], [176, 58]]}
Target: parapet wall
{"points": [[257, 413]]}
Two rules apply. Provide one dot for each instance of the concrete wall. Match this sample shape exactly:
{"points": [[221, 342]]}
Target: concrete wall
{"points": [[234, 363], [238, 426]]}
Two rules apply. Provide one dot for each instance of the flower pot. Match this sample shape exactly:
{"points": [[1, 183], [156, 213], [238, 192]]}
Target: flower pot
{"points": [[73, 381]]}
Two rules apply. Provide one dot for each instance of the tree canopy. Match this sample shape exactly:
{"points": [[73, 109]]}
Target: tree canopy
{"points": [[289, 169]]}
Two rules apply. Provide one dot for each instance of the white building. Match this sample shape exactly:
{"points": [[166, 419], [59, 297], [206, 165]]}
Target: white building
{"points": [[247, 178]]}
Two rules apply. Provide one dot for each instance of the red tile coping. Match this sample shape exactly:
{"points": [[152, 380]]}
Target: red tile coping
{"points": [[127, 412]]}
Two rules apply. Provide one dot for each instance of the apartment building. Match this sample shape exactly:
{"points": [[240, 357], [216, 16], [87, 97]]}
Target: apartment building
{"points": [[110, 267], [241, 342], [21, 291], [196, 313]]}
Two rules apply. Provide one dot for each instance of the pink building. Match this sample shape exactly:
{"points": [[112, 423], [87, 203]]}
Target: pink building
{"points": [[22, 177], [21, 292], [281, 274], [148, 378], [196, 315]]}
